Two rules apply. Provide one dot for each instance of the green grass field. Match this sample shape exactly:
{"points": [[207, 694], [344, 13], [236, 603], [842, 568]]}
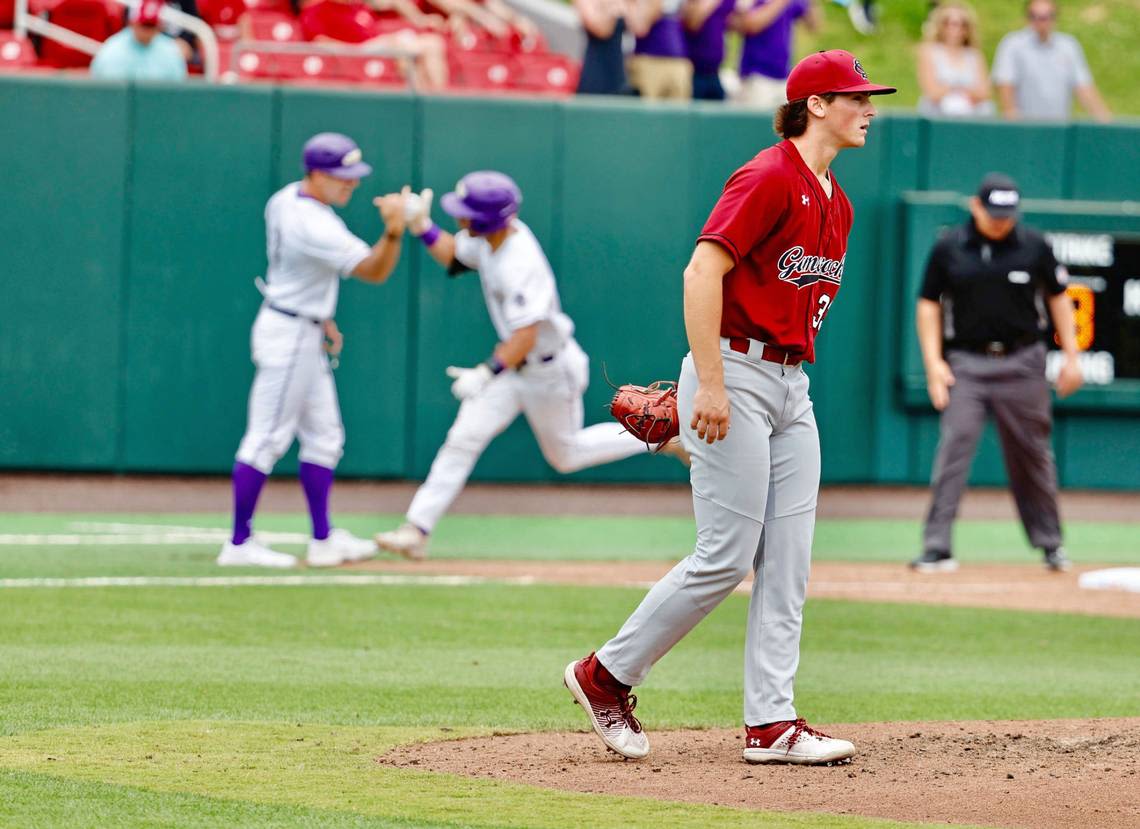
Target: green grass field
{"points": [[266, 706]]}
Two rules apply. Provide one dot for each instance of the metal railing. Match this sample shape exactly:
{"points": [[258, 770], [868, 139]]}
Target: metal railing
{"points": [[207, 40]]}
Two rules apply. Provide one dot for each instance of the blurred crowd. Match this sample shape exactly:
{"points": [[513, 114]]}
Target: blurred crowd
{"points": [[655, 49], [678, 52]]}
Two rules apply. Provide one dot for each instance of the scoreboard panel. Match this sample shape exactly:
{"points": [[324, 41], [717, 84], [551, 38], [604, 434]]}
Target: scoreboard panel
{"points": [[1099, 245]]}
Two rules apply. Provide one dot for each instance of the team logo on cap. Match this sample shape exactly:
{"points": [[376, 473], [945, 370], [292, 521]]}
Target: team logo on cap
{"points": [[859, 68], [1004, 198], [803, 269], [352, 157]]}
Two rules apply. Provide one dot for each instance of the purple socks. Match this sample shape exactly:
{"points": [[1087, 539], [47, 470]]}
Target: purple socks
{"points": [[247, 487], [317, 481]]}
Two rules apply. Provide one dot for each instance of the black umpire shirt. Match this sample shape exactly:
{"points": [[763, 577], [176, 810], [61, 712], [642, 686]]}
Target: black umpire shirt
{"points": [[989, 289]]}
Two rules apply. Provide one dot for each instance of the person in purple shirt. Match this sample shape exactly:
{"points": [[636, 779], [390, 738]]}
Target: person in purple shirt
{"points": [[766, 57], [705, 22], [659, 66]]}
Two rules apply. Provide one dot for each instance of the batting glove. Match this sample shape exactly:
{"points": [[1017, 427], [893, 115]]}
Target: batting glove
{"points": [[417, 209], [469, 381]]}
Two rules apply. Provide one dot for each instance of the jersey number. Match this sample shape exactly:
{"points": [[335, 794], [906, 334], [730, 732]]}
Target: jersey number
{"points": [[817, 320]]}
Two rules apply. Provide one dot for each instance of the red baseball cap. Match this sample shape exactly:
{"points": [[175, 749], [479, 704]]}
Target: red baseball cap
{"points": [[147, 12], [831, 71]]}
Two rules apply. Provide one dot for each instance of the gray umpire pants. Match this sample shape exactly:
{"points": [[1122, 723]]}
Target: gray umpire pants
{"points": [[754, 498], [1015, 391]]}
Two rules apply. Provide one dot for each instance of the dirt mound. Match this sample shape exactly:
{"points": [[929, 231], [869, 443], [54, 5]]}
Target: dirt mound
{"points": [[1039, 774]]}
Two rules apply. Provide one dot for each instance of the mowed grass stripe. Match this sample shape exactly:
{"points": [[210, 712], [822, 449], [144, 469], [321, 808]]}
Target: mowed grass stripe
{"points": [[288, 774], [492, 656], [565, 538]]}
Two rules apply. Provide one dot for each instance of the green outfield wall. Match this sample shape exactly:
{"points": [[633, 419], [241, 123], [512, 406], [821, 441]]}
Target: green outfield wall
{"points": [[132, 231]]}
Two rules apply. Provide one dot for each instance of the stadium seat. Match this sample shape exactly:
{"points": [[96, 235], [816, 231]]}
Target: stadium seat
{"points": [[274, 26], [481, 70], [280, 65], [16, 53], [7, 14], [221, 14], [91, 18], [368, 69], [546, 73]]}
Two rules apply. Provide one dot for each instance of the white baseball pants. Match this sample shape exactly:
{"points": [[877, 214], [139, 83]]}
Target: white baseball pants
{"points": [[550, 395], [293, 395], [754, 497]]}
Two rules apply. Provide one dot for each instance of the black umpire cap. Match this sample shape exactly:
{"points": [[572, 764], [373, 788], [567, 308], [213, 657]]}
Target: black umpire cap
{"points": [[999, 195]]}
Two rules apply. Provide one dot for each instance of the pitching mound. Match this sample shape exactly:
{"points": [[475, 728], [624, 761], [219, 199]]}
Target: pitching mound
{"points": [[1039, 774]]}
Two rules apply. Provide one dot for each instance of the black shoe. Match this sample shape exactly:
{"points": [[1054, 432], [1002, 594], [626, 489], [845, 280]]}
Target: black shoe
{"points": [[1056, 560], [934, 561]]}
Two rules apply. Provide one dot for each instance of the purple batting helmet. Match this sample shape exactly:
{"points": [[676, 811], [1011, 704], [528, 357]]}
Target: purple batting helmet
{"points": [[334, 154], [487, 198]]}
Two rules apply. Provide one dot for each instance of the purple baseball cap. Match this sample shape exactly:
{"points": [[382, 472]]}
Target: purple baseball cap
{"points": [[487, 198], [335, 154]]}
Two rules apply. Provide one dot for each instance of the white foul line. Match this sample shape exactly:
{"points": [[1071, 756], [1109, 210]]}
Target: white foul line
{"points": [[385, 579]]}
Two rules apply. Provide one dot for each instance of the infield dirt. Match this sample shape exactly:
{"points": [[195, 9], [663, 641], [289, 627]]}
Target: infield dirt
{"points": [[1051, 774]]}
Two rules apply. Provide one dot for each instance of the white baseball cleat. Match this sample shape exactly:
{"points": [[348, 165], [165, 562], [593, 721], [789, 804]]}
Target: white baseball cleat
{"points": [[251, 553], [796, 742], [406, 540], [341, 547], [610, 712]]}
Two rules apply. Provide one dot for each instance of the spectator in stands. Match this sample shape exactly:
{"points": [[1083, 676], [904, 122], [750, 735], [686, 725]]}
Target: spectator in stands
{"points": [[140, 52], [603, 64], [1037, 70], [951, 68], [705, 22], [766, 57], [352, 21], [659, 67]]}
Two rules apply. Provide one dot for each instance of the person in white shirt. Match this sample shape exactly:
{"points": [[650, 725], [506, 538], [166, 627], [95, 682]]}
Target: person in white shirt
{"points": [[537, 369], [310, 250]]}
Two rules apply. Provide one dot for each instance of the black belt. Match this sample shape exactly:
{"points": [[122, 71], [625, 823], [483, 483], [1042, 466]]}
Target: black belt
{"points": [[998, 348], [293, 314]]}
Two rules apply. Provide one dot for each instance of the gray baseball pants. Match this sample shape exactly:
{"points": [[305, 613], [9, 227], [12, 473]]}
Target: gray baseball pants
{"points": [[1015, 391], [754, 498]]}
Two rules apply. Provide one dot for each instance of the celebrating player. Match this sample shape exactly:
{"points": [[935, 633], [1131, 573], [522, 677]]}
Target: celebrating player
{"points": [[757, 289], [537, 369], [293, 394]]}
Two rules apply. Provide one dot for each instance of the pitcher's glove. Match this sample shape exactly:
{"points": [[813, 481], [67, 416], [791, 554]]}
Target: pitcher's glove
{"points": [[648, 412]]}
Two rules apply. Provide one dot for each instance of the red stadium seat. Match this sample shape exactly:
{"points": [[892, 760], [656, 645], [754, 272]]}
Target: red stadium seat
{"points": [[16, 53], [7, 13], [481, 70], [546, 73], [274, 26], [221, 13], [269, 5], [281, 65], [91, 18], [369, 69]]}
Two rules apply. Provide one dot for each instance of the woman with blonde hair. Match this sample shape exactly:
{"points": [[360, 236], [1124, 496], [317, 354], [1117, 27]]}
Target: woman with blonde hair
{"points": [[952, 70]]}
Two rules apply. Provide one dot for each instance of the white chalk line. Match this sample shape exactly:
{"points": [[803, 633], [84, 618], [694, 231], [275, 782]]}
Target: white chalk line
{"points": [[141, 535], [386, 579]]}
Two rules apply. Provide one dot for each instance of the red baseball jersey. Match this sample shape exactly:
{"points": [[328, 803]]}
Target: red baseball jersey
{"points": [[788, 241]]}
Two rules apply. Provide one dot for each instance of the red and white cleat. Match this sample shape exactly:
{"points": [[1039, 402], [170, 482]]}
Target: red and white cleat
{"points": [[610, 708], [794, 741]]}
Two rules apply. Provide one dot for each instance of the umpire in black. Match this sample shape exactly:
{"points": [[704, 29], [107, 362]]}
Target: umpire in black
{"points": [[980, 325]]}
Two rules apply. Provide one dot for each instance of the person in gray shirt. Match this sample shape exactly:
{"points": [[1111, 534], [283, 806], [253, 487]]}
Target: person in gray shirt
{"points": [[1037, 70]]}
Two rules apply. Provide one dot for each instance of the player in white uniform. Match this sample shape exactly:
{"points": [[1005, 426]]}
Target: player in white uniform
{"points": [[537, 369], [294, 395]]}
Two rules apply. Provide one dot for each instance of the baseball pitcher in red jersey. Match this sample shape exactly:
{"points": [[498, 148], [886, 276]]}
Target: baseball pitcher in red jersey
{"points": [[758, 288]]}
